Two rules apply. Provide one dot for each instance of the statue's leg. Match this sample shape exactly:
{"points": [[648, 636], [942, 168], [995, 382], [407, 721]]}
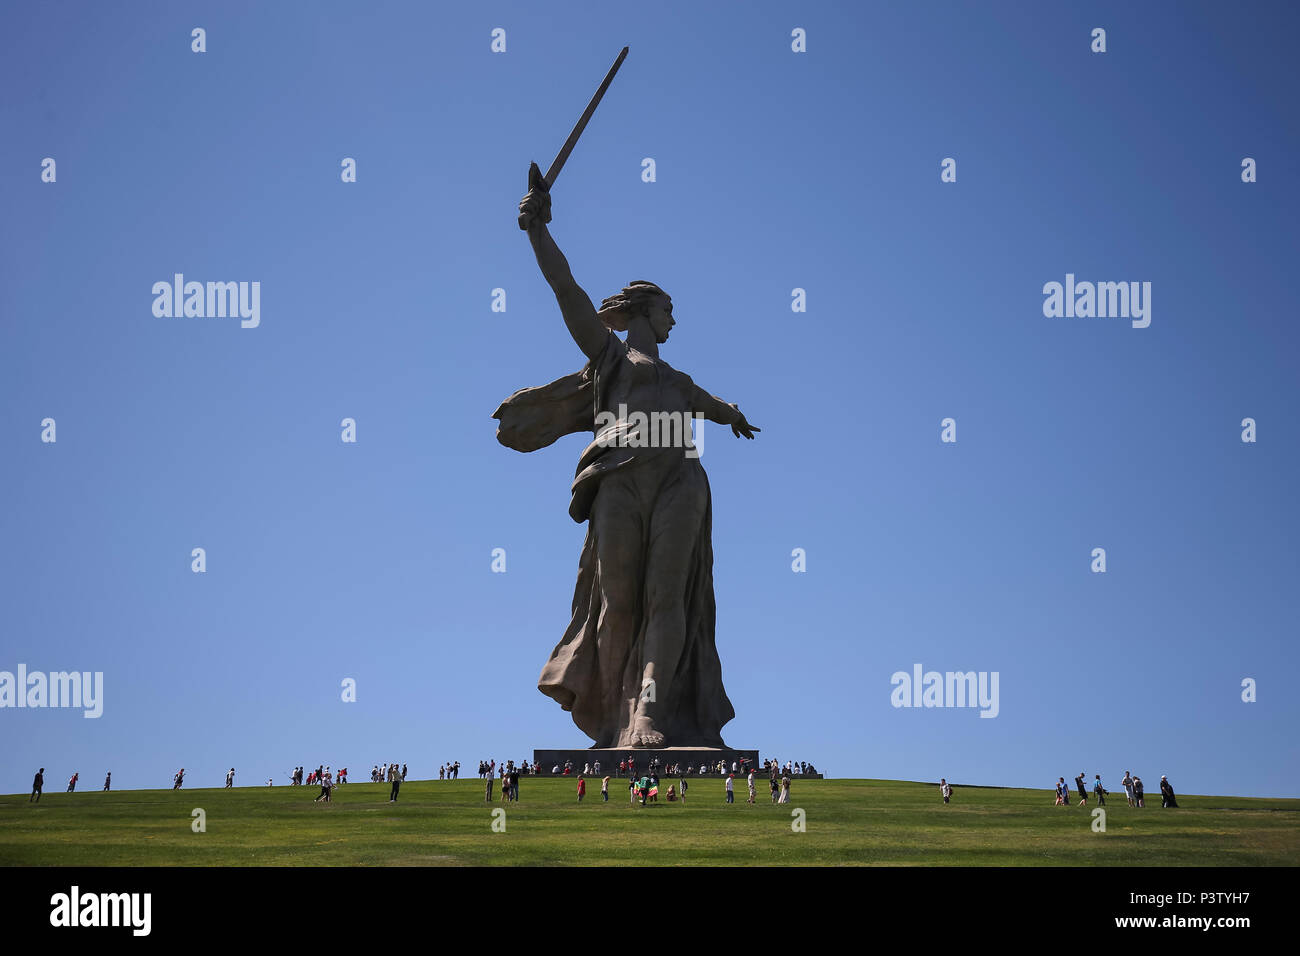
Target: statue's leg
{"points": [[619, 530], [675, 527]]}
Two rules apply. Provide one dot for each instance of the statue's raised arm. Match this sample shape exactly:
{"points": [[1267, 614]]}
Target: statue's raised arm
{"points": [[575, 305]]}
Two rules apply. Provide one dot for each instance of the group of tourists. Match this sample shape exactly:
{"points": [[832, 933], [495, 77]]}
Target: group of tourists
{"points": [[1133, 791], [509, 782], [316, 778], [792, 768], [646, 788], [489, 768], [448, 771]]}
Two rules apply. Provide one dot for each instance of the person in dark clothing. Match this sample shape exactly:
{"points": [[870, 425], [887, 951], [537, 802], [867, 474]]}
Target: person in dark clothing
{"points": [[38, 784], [108, 780], [1082, 787], [397, 785], [1167, 794]]}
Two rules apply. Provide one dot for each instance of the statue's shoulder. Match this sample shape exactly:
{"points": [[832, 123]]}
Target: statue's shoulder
{"points": [[682, 378]]}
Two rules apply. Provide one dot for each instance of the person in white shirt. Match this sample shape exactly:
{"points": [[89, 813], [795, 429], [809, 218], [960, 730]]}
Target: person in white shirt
{"points": [[945, 788], [751, 786], [230, 778], [731, 788]]}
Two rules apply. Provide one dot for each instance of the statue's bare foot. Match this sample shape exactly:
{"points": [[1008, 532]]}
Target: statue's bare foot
{"points": [[645, 735]]}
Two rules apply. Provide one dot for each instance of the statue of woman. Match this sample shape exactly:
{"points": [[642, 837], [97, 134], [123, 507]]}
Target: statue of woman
{"points": [[638, 665]]}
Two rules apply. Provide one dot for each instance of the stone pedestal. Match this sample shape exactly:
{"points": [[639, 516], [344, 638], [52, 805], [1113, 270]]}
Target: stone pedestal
{"points": [[690, 756]]}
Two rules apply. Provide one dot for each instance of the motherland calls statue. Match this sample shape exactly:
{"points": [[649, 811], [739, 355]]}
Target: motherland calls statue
{"points": [[638, 665]]}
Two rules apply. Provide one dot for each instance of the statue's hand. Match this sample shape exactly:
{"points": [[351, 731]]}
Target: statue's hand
{"points": [[742, 427], [536, 206]]}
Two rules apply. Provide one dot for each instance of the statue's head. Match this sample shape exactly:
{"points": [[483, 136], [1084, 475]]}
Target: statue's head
{"points": [[640, 301]]}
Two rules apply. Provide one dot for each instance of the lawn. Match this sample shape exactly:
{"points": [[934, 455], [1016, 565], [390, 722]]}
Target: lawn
{"points": [[854, 822]]}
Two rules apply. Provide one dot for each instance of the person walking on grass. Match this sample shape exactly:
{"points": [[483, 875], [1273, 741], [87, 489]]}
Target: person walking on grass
{"points": [[230, 778], [945, 789], [1128, 787], [1082, 787], [604, 789], [397, 785], [1167, 794], [108, 781], [38, 784], [1099, 791], [731, 788], [785, 789], [750, 780], [72, 782], [582, 787], [1137, 792]]}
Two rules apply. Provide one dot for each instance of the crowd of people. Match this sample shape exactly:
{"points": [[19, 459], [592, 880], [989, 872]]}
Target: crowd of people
{"points": [[627, 767], [1133, 791], [491, 768], [646, 787]]}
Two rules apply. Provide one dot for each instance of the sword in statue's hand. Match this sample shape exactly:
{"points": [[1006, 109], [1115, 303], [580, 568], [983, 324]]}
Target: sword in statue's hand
{"points": [[537, 202]]}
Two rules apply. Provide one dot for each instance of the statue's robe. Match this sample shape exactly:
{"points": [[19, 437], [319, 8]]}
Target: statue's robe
{"points": [[600, 684]]}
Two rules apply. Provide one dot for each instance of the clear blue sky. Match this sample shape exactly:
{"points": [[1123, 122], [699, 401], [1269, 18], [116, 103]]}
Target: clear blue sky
{"points": [[775, 170]]}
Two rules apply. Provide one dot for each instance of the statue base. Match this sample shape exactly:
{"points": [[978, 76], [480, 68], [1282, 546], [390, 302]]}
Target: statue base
{"points": [[688, 757]]}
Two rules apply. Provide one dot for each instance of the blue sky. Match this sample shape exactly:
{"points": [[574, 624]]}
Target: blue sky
{"points": [[775, 170]]}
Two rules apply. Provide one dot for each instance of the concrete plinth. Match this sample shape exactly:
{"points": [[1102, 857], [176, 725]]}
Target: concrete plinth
{"points": [[691, 757]]}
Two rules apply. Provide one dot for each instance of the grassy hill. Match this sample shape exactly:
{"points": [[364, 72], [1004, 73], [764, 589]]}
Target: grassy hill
{"points": [[858, 822]]}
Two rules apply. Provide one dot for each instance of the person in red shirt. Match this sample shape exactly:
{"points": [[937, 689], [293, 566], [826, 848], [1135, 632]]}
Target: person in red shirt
{"points": [[582, 788]]}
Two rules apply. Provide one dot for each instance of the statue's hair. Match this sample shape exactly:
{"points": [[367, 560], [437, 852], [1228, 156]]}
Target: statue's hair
{"points": [[618, 309]]}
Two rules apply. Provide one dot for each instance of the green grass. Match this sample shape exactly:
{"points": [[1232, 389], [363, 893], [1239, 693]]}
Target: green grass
{"points": [[858, 822]]}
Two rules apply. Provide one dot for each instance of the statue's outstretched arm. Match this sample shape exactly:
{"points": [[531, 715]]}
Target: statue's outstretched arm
{"points": [[724, 413], [575, 305]]}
